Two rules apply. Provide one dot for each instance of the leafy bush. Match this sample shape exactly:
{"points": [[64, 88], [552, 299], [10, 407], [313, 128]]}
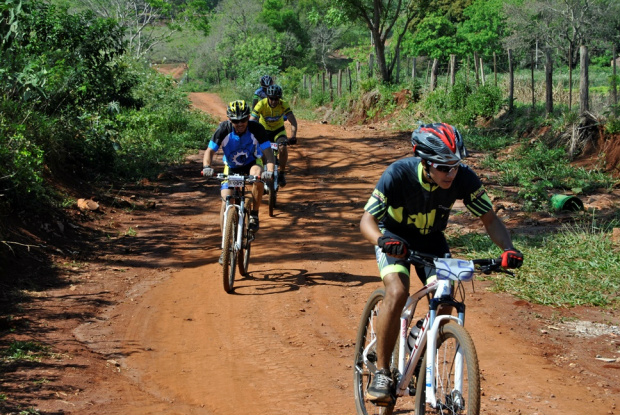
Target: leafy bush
{"points": [[537, 170]]}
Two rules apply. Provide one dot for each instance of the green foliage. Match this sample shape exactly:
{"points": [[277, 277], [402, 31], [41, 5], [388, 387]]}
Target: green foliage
{"points": [[436, 37], [463, 103], [577, 266], [612, 125], [58, 59], [538, 171], [25, 350], [484, 26]]}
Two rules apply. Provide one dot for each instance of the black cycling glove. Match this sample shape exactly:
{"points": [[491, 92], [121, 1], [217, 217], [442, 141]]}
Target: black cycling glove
{"points": [[512, 258], [392, 246]]}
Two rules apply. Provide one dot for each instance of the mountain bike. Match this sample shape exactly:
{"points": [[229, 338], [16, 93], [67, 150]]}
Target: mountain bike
{"points": [[434, 364], [236, 237], [271, 188]]}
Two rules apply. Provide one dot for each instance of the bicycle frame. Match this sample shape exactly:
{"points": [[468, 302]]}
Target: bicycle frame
{"points": [[237, 182]]}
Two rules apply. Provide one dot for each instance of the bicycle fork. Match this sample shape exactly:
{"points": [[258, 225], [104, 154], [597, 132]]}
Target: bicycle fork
{"points": [[435, 321], [239, 231]]}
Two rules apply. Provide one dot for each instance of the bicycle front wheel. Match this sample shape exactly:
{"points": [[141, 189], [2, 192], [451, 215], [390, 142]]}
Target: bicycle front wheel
{"points": [[243, 256], [457, 375], [228, 250], [272, 199], [362, 374]]}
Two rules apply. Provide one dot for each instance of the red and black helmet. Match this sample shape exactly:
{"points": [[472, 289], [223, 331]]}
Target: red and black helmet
{"points": [[438, 143]]}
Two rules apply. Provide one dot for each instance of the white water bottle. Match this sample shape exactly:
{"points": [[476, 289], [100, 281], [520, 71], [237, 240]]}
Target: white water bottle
{"points": [[414, 333]]}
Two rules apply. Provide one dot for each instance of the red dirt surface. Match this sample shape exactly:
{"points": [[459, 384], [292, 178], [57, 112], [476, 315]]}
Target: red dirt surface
{"points": [[143, 325]]}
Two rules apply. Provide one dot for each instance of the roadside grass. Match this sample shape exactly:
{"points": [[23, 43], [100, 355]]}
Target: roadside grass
{"points": [[539, 171], [25, 351], [577, 266]]}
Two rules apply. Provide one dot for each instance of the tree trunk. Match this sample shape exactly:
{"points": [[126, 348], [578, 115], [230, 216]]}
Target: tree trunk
{"points": [[548, 82]]}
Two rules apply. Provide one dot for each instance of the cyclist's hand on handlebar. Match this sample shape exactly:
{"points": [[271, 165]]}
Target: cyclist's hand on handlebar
{"points": [[267, 176], [292, 141], [207, 172], [392, 246], [512, 258]]}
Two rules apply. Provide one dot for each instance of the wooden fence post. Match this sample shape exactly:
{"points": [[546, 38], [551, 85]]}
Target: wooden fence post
{"points": [[583, 79], [350, 80], [495, 66], [339, 82], [397, 77], [548, 82], [413, 69], [452, 69], [482, 79], [358, 69], [533, 94], [310, 87], [434, 74], [476, 69], [511, 82], [371, 65], [614, 79], [570, 77], [331, 87]]}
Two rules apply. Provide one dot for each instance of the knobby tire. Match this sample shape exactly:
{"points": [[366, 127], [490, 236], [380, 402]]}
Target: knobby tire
{"points": [[229, 258], [243, 256], [272, 199], [366, 332], [451, 337]]}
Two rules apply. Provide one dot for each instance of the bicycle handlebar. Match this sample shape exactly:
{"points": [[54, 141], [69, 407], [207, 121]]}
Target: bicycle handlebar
{"points": [[250, 178], [483, 265]]}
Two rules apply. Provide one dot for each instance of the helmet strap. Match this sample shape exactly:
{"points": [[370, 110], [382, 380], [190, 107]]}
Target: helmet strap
{"points": [[426, 167]]}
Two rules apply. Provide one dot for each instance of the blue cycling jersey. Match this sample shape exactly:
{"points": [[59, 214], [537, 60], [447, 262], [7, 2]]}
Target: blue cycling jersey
{"points": [[239, 150]]}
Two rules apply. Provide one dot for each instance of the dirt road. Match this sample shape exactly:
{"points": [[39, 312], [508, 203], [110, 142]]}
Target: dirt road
{"points": [[164, 338]]}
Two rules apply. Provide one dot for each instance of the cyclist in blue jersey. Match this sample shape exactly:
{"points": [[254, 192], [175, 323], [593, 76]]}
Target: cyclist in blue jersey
{"points": [[409, 209], [261, 92], [244, 144]]}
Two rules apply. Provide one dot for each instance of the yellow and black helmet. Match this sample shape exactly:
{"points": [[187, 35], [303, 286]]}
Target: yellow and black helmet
{"points": [[238, 110]]}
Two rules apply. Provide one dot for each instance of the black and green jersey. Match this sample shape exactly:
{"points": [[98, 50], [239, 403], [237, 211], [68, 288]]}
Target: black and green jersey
{"points": [[409, 207]]}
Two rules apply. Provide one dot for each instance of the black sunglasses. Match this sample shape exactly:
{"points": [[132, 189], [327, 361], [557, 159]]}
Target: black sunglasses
{"points": [[239, 121]]}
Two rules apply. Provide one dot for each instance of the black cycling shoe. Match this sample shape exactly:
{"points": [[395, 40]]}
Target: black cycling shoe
{"points": [[380, 389], [253, 224], [281, 179]]}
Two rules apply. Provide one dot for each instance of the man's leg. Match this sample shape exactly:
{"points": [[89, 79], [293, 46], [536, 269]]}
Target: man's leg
{"points": [[388, 324], [257, 195]]}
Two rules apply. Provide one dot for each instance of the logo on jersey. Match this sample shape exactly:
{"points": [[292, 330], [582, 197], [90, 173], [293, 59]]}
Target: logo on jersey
{"points": [[240, 158]]}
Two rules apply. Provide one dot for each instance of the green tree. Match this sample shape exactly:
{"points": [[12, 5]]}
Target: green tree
{"points": [[435, 36], [381, 17], [484, 26]]}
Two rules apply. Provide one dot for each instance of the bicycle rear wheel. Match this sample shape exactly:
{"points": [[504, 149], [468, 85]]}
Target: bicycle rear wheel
{"points": [[362, 374], [229, 257], [453, 341]]}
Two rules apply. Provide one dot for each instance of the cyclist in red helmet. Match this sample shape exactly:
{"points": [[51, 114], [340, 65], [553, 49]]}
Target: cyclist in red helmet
{"points": [[409, 209]]}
